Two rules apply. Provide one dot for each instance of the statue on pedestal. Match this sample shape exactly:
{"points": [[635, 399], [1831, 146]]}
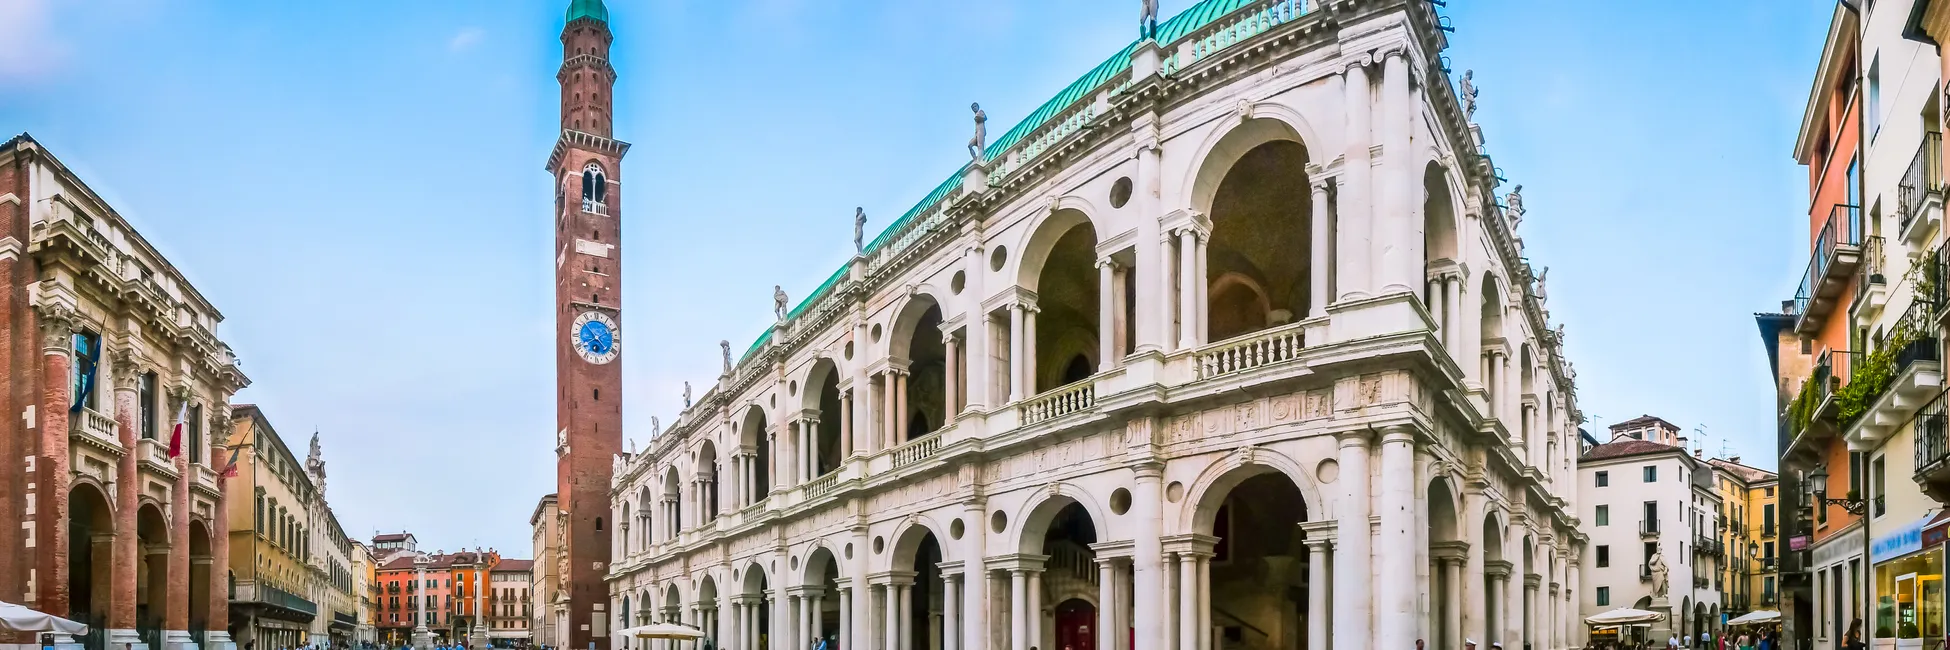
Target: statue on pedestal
{"points": [[1513, 206], [1466, 91], [778, 301], [1659, 578], [859, 229], [979, 143], [656, 427], [687, 394], [1542, 294], [1148, 20], [724, 349]]}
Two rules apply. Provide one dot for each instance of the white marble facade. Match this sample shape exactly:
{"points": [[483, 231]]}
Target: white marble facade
{"points": [[1016, 416]]}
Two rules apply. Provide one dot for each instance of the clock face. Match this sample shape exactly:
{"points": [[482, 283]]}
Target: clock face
{"points": [[594, 336]]}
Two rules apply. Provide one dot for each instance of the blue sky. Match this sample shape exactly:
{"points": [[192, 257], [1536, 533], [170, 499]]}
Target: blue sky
{"points": [[358, 186]]}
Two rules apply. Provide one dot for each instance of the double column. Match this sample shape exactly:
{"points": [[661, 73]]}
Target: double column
{"points": [[1025, 602], [1194, 595], [1443, 295], [1320, 581], [896, 609], [806, 603], [806, 446], [1022, 349], [893, 421], [1191, 243], [1111, 279]]}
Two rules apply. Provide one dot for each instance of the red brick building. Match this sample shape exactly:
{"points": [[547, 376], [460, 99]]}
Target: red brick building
{"points": [[586, 163], [103, 342]]}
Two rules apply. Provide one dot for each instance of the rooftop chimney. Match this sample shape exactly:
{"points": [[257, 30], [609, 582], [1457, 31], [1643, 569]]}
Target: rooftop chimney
{"points": [[1787, 306], [1734, 459]]}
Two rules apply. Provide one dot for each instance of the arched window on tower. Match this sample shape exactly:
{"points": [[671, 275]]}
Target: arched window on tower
{"points": [[594, 190]]}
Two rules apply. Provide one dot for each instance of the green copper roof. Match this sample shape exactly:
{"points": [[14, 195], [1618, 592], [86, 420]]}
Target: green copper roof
{"points": [[588, 8], [1169, 32]]}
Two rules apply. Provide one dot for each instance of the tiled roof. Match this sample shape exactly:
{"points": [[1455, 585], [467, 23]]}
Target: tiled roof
{"points": [[390, 537], [1746, 474], [1641, 421], [515, 565], [1628, 447]]}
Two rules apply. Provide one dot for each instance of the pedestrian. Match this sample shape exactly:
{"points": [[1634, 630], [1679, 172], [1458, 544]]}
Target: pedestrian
{"points": [[1469, 644], [1853, 640], [1672, 642]]}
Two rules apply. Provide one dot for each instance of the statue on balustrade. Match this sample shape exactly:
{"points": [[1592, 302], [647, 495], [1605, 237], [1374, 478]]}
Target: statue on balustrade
{"points": [[978, 143]]}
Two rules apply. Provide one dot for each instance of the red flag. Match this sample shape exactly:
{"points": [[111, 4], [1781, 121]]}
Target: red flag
{"points": [[230, 469], [176, 432]]}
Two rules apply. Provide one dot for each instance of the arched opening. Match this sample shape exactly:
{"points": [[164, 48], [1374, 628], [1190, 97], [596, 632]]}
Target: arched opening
{"points": [[1526, 413], [1259, 588], [707, 606], [1067, 321], [921, 393], [707, 482], [673, 611], [1447, 552], [152, 572], [623, 533], [755, 614], [754, 435], [916, 549], [1496, 573], [1528, 584], [1070, 578], [1257, 267], [91, 527], [201, 564], [1496, 358], [673, 502], [823, 386], [646, 531], [1440, 269], [823, 575]]}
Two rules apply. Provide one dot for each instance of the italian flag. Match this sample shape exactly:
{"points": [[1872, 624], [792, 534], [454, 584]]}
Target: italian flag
{"points": [[176, 432]]}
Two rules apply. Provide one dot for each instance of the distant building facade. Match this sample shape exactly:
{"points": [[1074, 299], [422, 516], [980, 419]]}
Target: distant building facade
{"points": [[1652, 511]]}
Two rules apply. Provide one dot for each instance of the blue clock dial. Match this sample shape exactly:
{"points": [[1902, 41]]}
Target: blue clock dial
{"points": [[596, 337]]}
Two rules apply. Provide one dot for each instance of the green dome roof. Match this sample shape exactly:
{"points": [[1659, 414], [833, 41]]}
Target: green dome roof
{"points": [[588, 8]]}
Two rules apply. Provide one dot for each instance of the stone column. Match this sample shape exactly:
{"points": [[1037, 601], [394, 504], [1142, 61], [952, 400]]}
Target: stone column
{"points": [[1200, 314], [951, 612], [176, 605], [900, 407], [1395, 592], [975, 578], [422, 637], [1188, 632], [1121, 334], [888, 436], [846, 617], [980, 370], [1147, 559], [1153, 295], [1107, 604], [812, 446], [818, 622], [1188, 284], [1320, 253], [1512, 397], [1353, 606], [1019, 610], [1399, 263], [772, 464], [1017, 352], [1451, 313], [952, 349], [127, 550], [218, 636], [1494, 603], [798, 621], [1530, 582], [480, 636], [1354, 225], [1106, 314], [1452, 606], [1318, 586], [1029, 348]]}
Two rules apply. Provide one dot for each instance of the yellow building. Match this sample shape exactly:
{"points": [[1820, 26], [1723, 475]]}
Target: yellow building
{"points": [[1749, 539], [270, 549]]}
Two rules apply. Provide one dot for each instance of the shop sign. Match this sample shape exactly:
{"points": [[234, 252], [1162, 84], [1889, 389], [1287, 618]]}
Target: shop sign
{"points": [[1904, 540], [1798, 543]]}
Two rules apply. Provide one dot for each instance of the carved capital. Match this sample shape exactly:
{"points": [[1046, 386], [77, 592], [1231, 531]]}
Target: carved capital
{"points": [[57, 328]]}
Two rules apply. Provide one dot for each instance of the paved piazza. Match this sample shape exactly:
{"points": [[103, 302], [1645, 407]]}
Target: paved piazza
{"points": [[1229, 345]]}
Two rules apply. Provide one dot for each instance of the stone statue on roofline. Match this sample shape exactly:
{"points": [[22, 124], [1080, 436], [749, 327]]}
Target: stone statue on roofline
{"points": [[1148, 20], [859, 229], [978, 144], [1542, 295], [1466, 91], [724, 349], [1513, 206], [778, 301], [656, 427], [687, 394]]}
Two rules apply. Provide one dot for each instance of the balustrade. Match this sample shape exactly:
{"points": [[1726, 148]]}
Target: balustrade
{"points": [[1255, 350], [917, 450], [1058, 402]]}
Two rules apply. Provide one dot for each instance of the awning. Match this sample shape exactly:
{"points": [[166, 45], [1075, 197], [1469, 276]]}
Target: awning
{"points": [[19, 618], [1625, 616], [1756, 618]]}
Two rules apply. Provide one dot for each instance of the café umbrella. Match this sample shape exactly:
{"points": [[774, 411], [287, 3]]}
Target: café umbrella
{"points": [[664, 631], [18, 618], [1757, 618], [1625, 616]]}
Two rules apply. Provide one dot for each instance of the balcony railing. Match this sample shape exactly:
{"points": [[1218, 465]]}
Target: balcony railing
{"points": [[1933, 449], [594, 207], [917, 450], [1836, 251], [822, 485], [94, 425], [1923, 179], [1912, 340], [1873, 262], [1255, 350], [1059, 401]]}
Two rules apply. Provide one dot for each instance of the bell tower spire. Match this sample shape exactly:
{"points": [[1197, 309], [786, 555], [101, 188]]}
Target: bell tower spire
{"points": [[586, 164]]}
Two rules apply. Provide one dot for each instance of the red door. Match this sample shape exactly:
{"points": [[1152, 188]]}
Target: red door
{"points": [[1075, 625]]}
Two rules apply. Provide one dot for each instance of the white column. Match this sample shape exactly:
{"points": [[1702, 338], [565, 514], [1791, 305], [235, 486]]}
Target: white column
{"points": [[905, 606], [818, 618], [1452, 604], [1188, 281], [950, 613], [1152, 294], [1396, 270], [1121, 333], [952, 347], [1199, 283], [846, 617], [1018, 610], [1017, 353], [900, 407], [1317, 590], [887, 418], [1511, 400], [1106, 315], [1187, 602], [1353, 607], [1029, 350], [1107, 605], [1395, 592], [1452, 313], [1354, 226], [979, 370], [1148, 566], [975, 578], [1319, 255], [891, 615]]}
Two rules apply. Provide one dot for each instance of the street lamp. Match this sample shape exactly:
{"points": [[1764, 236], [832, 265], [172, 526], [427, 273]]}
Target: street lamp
{"points": [[1816, 483]]}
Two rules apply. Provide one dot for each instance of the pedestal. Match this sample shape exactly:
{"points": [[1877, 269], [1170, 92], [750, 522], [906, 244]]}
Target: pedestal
{"points": [[218, 640], [422, 638], [120, 640], [178, 640], [478, 638]]}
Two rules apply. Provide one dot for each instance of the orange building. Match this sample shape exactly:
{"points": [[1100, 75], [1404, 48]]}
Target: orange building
{"points": [[452, 593]]}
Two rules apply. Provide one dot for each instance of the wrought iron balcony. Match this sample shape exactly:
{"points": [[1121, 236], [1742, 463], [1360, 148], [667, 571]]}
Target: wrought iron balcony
{"points": [[1836, 253], [1871, 286], [1892, 380], [1933, 450], [1919, 195]]}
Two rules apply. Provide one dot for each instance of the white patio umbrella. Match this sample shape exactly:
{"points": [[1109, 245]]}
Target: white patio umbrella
{"points": [[664, 631], [1756, 618], [18, 618], [1625, 616]]}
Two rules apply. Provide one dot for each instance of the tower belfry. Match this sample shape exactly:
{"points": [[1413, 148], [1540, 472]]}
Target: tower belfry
{"points": [[586, 163]]}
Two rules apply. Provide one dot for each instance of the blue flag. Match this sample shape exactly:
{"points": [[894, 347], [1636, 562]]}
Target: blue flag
{"points": [[85, 358]]}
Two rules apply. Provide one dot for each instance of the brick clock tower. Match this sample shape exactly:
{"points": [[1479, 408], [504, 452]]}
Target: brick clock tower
{"points": [[586, 163]]}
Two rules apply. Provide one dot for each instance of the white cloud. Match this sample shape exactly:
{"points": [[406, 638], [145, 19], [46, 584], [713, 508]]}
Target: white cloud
{"points": [[28, 48], [466, 39]]}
